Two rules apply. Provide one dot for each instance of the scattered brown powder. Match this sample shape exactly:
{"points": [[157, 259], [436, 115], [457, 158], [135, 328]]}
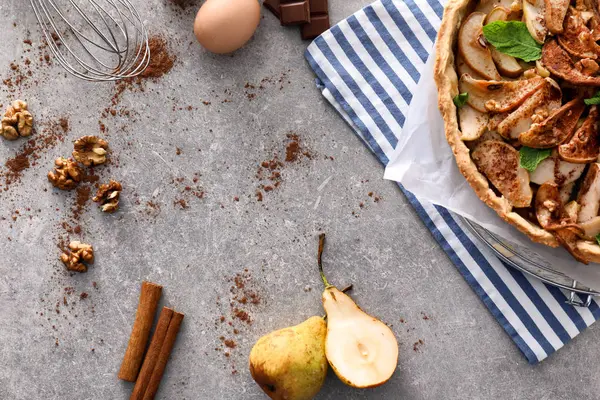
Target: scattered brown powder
{"points": [[269, 171], [417, 345], [45, 137], [161, 58], [83, 194], [181, 203], [161, 63]]}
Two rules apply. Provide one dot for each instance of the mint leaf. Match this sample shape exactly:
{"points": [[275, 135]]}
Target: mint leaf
{"points": [[529, 158], [598, 238], [513, 38], [593, 100], [460, 99]]}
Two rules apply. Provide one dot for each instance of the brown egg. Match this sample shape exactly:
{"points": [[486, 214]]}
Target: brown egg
{"points": [[223, 26]]}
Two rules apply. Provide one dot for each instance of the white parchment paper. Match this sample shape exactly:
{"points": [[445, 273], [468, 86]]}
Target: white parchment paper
{"points": [[423, 162]]}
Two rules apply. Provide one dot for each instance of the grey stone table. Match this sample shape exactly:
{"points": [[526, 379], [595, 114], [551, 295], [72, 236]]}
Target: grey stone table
{"points": [[57, 344]]}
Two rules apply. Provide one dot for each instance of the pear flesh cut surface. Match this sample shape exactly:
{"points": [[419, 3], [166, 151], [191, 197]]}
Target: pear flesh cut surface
{"points": [[362, 350], [290, 364], [474, 50]]}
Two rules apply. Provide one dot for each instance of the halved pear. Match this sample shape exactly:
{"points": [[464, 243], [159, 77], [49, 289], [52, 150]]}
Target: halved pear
{"points": [[474, 49], [499, 162], [472, 122], [498, 96], [556, 129], [556, 10], [583, 147], [558, 62], [362, 351], [533, 15], [507, 65], [555, 170], [589, 194]]}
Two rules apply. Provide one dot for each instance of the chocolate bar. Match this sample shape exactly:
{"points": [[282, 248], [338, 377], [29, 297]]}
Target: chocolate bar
{"points": [[318, 24], [319, 7], [273, 6], [319, 20], [295, 13]]}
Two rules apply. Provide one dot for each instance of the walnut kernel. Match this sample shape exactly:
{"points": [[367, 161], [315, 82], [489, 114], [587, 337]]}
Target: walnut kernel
{"points": [[17, 121], [108, 196], [78, 254], [66, 175], [90, 150]]}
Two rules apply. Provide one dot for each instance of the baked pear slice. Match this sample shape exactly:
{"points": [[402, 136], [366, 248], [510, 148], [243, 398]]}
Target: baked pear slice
{"points": [[555, 170], [472, 122], [487, 135], [589, 195], [474, 49], [545, 100], [498, 96], [549, 208], [583, 147], [590, 229], [554, 15], [577, 38], [486, 6], [569, 238], [533, 16], [499, 162], [463, 68], [362, 351], [556, 129], [559, 63], [506, 65]]}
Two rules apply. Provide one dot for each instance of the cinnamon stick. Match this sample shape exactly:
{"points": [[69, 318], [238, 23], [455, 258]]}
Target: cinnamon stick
{"points": [[163, 357], [158, 338], [144, 317]]}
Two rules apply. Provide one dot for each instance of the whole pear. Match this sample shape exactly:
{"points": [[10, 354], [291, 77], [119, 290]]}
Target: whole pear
{"points": [[290, 364]]}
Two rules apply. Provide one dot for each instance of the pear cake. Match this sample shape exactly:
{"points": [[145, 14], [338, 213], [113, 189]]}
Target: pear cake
{"points": [[518, 89]]}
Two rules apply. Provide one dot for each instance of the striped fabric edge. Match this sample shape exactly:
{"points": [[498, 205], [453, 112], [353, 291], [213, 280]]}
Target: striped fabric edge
{"points": [[394, 39]]}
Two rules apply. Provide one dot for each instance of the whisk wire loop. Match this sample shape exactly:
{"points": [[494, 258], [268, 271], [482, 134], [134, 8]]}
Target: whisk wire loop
{"points": [[95, 40]]}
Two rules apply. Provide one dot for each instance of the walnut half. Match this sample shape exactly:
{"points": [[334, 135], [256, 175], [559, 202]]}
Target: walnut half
{"points": [[17, 121], [90, 150], [66, 175], [78, 254], [108, 196]]}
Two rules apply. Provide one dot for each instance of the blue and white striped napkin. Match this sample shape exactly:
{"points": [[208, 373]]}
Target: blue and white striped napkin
{"points": [[368, 67]]}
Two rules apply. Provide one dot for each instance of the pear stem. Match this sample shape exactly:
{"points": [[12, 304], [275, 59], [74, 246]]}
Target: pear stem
{"points": [[320, 260]]}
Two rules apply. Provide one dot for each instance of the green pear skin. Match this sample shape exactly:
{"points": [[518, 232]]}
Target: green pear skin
{"points": [[290, 364]]}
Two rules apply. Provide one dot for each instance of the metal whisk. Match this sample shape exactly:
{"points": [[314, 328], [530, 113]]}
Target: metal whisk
{"points": [[95, 40]]}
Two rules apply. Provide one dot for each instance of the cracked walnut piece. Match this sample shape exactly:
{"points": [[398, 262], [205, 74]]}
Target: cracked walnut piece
{"points": [[90, 150], [78, 254], [17, 121], [108, 196], [66, 175]]}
